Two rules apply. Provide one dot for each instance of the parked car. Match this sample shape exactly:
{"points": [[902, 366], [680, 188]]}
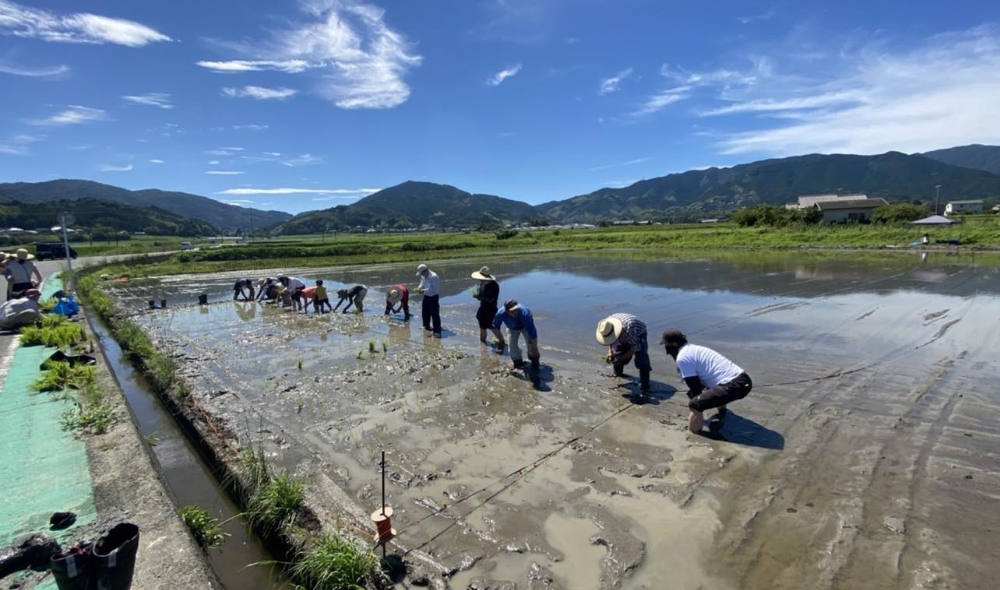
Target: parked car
{"points": [[186, 245], [53, 251]]}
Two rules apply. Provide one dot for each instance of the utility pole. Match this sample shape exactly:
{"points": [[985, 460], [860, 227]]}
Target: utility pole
{"points": [[937, 200], [69, 260]]}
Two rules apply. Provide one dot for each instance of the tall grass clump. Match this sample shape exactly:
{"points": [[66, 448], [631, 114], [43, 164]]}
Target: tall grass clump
{"points": [[61, 334], [334, 562], [92, 415], [203, 526], [273, 506]]}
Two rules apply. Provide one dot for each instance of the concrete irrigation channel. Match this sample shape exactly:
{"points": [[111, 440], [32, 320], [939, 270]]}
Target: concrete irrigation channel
{"points": [[866, 456]]}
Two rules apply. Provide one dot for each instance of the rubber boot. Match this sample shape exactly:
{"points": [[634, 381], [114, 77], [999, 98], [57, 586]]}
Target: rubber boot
{"points": [[73, 570], [644, 380], [114, 557], [619, 370], [534, 364]]}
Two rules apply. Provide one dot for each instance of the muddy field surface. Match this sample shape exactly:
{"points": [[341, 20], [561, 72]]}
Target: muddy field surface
{"points": [[865, 457]]}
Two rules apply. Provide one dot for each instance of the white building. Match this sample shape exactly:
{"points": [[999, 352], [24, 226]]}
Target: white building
{"points": [[806, 201], [963, 207]]}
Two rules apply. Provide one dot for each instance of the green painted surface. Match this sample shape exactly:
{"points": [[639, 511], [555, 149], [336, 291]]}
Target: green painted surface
{"points": [[42, 468]]}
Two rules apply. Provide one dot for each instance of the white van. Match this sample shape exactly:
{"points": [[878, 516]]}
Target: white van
{"points": [[185, 245]]}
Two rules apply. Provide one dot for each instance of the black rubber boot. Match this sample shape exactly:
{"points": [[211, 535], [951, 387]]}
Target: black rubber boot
{"points": [[114, 557], [73, 570], [534, 364], [619, 370], [644, 380]]}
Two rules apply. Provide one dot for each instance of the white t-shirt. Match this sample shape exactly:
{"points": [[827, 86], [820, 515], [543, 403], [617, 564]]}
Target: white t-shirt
{"points": [[707, 365], [9, 309]]}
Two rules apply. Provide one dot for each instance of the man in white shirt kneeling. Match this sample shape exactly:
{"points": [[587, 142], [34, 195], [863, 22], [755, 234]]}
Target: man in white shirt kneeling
{"points": [[713, 380]]}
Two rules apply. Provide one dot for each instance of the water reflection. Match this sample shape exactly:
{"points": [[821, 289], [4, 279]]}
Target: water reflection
{"points": [[246, 311]]}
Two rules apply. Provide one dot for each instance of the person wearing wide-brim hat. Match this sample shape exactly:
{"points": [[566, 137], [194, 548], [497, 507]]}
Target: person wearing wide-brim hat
{"points": [[625, 336], [21, 270], [488, 294], [399, 294]]}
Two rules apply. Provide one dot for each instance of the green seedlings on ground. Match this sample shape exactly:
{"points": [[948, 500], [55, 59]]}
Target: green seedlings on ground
{"points": [[59, 375], [299, 363], [151, 439], [61, 335], [299, 403], [203, 526], [335, 562], [361, 354], [275, 504], [371, 345], [385, 348]]}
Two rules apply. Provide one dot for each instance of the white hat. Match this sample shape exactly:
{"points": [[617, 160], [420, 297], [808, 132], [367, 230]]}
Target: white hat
{"points": [[483, 274], [23, 254], [393, 296], [608, 330], [421, 269]]}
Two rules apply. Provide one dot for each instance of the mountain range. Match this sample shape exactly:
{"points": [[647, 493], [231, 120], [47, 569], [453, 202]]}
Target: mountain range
{"points": [[963, 173], [217, 214]]}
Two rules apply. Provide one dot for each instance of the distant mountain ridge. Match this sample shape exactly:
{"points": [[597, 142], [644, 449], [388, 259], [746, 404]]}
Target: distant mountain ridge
{"points": [[413, 204], [975, 156], [212, 212], [101, 216], [893, 176]]}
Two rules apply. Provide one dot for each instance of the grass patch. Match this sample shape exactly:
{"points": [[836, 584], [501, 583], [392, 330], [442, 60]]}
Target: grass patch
{"points": [[203, 526], [92, 415], [273, 506], [335, 562]]}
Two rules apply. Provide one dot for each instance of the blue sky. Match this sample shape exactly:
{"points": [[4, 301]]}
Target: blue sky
{"points": [[307, 105]]}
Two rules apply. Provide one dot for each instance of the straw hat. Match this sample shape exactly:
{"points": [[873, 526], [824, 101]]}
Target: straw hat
{"points": [[608, 330], [421, 268], [23, 254], [261, 281], [483, 274], [393, 296]]}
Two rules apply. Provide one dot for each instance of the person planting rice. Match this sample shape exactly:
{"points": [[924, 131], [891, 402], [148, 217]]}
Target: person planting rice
{"points": [[353, 296], [519, 323], [399, 294], [243, 288], [322, 299], [713, 380], [295, 285], [625, 336], [268, 287]]}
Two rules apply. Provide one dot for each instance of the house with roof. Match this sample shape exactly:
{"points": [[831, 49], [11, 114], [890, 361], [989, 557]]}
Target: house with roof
{"points": [[847, 210], [975, 206], [807, 201]]}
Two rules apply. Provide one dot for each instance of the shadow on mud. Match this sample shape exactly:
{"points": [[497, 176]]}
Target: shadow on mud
{"points": [[743, 431], [539, 378], [658, 392]]}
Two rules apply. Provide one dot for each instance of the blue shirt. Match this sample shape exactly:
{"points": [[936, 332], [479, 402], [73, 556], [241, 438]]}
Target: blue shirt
{"points": [[522, 321]]}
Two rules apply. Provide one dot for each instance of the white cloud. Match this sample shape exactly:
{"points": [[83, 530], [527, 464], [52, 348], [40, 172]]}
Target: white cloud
{"points": [[298, 191], [112, 168], [273, 154], [259, 92], [13, 150], [213, 162], [498, 78], [81, 27], [766, 15], [941, 93], [45, 72], [661, 99], [225, 172], [153, 99], [303, 160], [72, 115], [619, 164], [609, 85], [355, 59], [252, 127], [223, 151], [291, 66], [157, 162]]}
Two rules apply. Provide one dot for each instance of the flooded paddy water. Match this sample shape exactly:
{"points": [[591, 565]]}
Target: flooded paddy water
{"points": [[865, 457]]}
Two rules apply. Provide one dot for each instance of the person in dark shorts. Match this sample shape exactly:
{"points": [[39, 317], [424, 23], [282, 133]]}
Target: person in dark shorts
{"points": [[241, 288], [713, 380], [322, 301], [488, 293], [353, 296]]}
